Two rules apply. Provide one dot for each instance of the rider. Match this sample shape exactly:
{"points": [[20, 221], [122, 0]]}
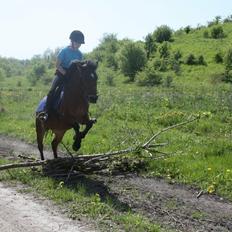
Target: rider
{"points": [[65, 57]]}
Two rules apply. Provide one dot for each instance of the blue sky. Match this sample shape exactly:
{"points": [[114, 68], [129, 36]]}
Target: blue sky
{"points": [[29, 27]]}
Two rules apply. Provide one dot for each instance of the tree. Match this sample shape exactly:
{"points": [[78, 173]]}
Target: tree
{"points": [[187, 29], [217, 32], [164, 50], [106, 51], [131, 58], [162, 33], [150, 45]]}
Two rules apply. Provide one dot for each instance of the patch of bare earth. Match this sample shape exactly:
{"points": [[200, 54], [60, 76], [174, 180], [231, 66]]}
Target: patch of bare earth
{"points": [[25, 213], [172, 205]]}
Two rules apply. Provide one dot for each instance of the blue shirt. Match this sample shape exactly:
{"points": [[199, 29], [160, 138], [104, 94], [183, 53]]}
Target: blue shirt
{"points": [[67, 55]]}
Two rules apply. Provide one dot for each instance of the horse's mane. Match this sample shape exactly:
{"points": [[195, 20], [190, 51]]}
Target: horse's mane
{"points": [[89, 64]]}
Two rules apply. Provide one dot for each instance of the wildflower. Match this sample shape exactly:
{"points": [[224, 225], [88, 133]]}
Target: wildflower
{"points": [[209, 169], [228, 170], [211, 189]]}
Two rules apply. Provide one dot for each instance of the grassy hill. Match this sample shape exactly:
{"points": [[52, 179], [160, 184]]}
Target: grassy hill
{"points": [[128, 114]]}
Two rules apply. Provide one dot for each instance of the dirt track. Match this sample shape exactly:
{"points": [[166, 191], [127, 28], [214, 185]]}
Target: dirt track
{"points": [[25, 213], [175, 206]]}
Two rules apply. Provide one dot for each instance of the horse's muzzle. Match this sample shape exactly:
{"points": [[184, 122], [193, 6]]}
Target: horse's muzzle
{"points": [[93, 98]]}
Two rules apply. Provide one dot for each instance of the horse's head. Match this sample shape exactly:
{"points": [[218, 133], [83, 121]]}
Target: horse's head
{"points": [[85, 73]]}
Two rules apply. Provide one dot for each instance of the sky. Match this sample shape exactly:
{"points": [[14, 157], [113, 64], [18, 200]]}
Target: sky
{"points": [[29, 27]]}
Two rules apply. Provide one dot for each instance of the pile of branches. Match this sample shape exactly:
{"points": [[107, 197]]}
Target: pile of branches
{"points": [[95, 163]]}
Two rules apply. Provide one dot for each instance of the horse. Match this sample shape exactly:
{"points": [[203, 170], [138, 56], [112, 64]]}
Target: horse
{"points": [[80, 89]]}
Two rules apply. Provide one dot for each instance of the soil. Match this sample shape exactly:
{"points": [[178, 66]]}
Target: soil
{"points": [[25, 213], [174, 206]]}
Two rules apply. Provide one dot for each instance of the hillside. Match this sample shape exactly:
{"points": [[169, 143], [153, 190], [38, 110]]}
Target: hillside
{"points": [[137, 101]]}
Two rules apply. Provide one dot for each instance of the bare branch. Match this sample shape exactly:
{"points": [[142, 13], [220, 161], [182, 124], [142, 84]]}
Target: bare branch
{"points": [[165, 129], [22, 165]]}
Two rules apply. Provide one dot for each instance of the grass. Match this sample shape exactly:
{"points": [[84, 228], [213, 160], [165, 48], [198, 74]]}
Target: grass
{"points": [[128, 114]]}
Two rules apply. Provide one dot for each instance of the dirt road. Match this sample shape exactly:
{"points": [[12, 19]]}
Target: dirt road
{"points": [[24, 213]]}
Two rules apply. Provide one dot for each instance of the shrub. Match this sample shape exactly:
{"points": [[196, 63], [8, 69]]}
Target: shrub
{"points": [[162, 33], [218, 58], [206, 34], [164, 50], [201, 60], [177, 55], [150, 45], [2, 74], [168, 81], [149, 76], [228, 60], [109, 77], [190, 60], [132, 58], [187, 29], [37, 73], [217, 32], [227, 76]]}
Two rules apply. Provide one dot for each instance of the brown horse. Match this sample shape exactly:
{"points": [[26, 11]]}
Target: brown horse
{"points": [[79, 89]]}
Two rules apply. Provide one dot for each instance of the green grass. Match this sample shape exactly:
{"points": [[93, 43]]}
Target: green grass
{"points": [[128, 114]]}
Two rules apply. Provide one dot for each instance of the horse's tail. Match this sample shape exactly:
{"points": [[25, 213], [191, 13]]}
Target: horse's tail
{"points": [[40, 132]]}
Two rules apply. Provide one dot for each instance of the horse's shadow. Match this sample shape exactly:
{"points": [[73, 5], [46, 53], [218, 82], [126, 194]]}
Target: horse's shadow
{"points": [[91, 185]]}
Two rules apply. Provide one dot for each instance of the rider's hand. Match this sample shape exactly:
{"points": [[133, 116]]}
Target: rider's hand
{"points": [[61, 70]]}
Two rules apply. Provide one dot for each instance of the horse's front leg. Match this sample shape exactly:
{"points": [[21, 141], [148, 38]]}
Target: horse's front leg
{"points": [[89, 125], [79, 135]]}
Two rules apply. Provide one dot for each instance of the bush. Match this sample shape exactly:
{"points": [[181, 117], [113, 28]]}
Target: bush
{"points": [[217, 32], [201, 60], [164, 50], [218, 58], [162, 33], [2, 74], [109, 77], [228, 60], [190, 60], [187, 29], [168, 81], [149, 76], [206, 34], [132, 58], [150, 45], [177, 55], [227, 76], [37, 73]]}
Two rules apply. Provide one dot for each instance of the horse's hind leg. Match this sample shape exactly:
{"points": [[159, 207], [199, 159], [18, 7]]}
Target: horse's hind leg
{"points": [[40, 131], [57, 139]]}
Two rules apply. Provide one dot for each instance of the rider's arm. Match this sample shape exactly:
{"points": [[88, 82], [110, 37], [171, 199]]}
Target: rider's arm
{"points": [[59, 67]]}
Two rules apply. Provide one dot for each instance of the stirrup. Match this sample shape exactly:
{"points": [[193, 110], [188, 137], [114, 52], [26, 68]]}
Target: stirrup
{"points": [[43, 116]]}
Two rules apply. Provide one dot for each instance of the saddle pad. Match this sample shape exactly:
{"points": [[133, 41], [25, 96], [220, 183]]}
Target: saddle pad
{"points": [[56, 103]]}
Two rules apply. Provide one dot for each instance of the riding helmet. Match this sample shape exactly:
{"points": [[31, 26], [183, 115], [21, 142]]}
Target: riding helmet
{"points": [[77, 36]]}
